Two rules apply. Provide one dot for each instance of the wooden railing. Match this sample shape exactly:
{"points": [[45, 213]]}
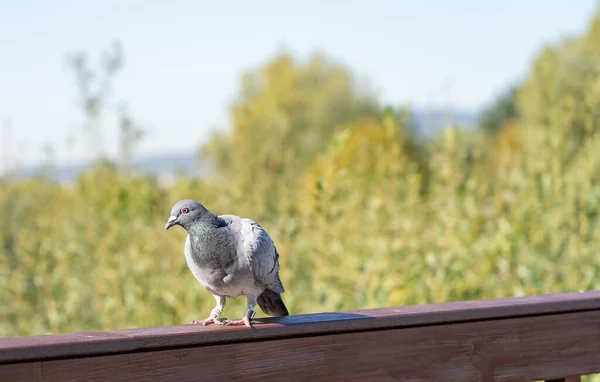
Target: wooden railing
{"points": [[551, 337]]}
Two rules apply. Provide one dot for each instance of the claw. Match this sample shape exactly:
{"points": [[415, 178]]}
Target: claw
{"points": [[244, 321], [210, 320], [247, 320]]}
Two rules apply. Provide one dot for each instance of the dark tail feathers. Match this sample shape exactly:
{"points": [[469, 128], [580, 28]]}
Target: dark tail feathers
{"points": [[271, 303]]}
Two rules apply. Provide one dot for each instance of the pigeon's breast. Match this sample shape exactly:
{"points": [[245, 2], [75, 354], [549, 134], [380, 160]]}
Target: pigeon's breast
{"points": [[216, 267]]}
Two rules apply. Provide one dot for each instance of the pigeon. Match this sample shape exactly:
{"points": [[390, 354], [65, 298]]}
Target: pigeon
{"points": [[230, 256]]}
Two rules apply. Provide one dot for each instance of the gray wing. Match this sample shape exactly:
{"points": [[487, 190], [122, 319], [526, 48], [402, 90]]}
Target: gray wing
{"points": [[256, 247]]}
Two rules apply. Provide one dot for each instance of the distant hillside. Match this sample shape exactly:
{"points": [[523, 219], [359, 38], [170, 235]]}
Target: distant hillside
{"points": [[166, 166], [427, 122], [163, 166]]}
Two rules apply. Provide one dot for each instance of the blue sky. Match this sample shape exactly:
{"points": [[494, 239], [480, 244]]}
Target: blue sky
{"points": [[184, 58]]}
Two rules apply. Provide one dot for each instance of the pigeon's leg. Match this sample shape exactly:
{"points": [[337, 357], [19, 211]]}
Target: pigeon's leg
{"points": [[248, 316], [215, 314]]}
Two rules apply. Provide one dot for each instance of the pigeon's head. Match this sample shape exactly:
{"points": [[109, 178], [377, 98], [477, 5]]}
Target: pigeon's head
{"points": [[184, 212]]}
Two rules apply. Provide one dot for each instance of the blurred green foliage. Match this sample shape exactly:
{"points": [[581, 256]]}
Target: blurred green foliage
{"points": [[363, 213], [502, 112]]}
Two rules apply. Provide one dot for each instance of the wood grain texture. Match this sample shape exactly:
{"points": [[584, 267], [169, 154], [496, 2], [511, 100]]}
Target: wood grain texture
{"points": [[511, 349], [20, 349]]}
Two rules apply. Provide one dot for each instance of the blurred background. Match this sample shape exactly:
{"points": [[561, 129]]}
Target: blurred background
{"points": [[397, 152]]}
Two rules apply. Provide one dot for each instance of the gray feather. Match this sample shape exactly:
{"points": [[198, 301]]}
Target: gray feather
{"points": [[256, 248]]}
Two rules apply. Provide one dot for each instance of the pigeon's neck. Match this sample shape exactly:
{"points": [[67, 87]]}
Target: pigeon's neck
{"points": [[205, 223]]}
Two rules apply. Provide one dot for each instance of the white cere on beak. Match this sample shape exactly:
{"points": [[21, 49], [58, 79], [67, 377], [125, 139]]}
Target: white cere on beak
{"points": [[171, 218]]}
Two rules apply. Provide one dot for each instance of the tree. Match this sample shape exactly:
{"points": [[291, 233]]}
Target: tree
{"points": [[282, 118], [95, 98], [561, 92], [502, 112]]}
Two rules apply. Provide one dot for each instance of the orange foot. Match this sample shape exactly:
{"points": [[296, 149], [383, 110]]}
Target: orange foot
{"points": [[244, 321], [210, 320]]}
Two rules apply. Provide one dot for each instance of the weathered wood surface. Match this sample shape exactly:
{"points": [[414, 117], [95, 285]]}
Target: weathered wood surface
{"points": [[519, 339]]}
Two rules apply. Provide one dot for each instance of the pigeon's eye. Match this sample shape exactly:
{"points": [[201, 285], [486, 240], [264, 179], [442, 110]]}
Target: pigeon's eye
{"points": [[185, 210]]}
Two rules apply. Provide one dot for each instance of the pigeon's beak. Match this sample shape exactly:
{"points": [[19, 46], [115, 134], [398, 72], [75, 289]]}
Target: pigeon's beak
{"points": [[171, 222]]}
